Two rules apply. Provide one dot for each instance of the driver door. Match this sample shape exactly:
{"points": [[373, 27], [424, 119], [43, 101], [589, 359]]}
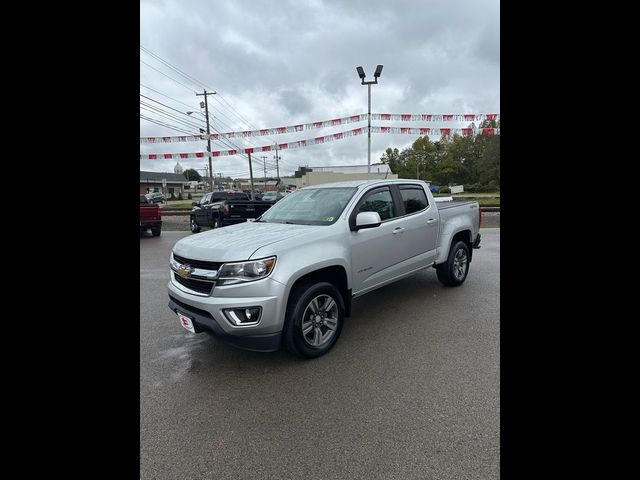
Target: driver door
{"points": [[376, 251]]}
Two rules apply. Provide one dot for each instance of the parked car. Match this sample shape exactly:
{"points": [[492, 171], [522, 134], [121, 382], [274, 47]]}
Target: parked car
{"points": [[288, 278], [219, 209], [271, 197], [150, 216], [156, 197]]}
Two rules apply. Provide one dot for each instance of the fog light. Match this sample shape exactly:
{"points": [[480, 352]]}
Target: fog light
{"points": [[243, 316]]}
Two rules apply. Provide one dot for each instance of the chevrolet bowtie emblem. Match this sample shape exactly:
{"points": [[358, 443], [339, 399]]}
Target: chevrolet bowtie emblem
{"points": [[184, 271]]}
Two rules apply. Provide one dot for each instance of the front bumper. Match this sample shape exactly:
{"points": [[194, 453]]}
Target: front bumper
{"points": [[207, 314], [203, 321]]}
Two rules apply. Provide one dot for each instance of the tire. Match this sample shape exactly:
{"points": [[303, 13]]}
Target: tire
{"points": [[303, 301], [194, 226], [155, 231], [216, 223], [454, 271]]}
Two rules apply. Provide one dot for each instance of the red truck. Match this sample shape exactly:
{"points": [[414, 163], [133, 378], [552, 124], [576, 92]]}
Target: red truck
{"points": [[150, 217]]}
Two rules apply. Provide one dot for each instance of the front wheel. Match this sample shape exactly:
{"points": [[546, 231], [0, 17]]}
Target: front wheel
{"points": [[314, 319], [453, 272], [194, 226]]}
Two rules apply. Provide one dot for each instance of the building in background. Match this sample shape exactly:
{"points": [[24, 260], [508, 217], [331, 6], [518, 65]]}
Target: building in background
{"points": [[306, 176], [153, 182]]}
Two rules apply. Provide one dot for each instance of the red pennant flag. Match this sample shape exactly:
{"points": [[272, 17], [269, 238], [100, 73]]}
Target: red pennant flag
{"points": [[385, 116], [338, 136], [215, 154], [354, 118], [281, 129], [467, 131], [470, 116], [247, 150], [153, 156], [447, 117], [492, 116], [487, 131], [405, 117], [283, 146], [199, 155], [184, 155], [445, 131], [424, 131]]}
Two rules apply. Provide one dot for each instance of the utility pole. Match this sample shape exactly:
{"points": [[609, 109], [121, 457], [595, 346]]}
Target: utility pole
{"points": [[277, 165], [253, 195], [264, 165], [206, 112]]}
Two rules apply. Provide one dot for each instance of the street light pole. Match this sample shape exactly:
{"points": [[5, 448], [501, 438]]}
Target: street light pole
{"points": [[362, 76]]}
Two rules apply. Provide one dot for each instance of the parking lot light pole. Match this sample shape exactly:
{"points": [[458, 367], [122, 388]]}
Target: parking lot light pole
{"points": [[362, 76]]}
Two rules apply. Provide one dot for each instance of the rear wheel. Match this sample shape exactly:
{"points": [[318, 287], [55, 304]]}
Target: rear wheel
{"points": [[156, 231], [194, 226], [314, 319], [454, 271]]}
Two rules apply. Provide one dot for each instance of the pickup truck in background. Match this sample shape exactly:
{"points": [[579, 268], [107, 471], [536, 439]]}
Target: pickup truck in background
{"points": [[219, 209], [288, 278], [150, 216]]}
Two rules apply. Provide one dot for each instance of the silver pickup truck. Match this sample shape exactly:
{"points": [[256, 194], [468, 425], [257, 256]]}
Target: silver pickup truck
{"points": [[288, 278]]}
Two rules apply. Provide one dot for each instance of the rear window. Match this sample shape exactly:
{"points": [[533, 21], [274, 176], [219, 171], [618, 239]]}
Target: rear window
{"points": [[143, 199], [414, 199]]}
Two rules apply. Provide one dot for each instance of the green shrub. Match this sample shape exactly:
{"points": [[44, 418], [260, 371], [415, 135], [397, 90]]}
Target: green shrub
{"points": [[444, 190], [180, 196], [172, 197], [189, 197]]}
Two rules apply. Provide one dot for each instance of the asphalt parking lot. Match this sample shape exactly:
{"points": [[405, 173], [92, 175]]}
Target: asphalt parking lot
{"points": [[410, 391]]}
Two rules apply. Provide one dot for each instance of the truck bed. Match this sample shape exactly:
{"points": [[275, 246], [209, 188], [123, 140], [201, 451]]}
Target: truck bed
{"points": [[455, 203]]}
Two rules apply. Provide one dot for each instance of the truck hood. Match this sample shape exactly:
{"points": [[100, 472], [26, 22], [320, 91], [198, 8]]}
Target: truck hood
{"points": [[237, 242]]}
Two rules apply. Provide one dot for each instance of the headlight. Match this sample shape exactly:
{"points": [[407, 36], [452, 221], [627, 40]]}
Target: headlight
{"points": [[239, 272]]}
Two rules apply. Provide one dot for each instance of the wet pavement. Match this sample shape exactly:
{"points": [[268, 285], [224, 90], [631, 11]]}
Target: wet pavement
{"points": [[411, 389]]}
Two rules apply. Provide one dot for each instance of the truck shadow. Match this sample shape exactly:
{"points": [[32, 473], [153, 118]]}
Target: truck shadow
{"points": [[376, 318]]}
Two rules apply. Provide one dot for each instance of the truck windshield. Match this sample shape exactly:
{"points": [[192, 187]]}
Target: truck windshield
{"points": [[316, 206]]}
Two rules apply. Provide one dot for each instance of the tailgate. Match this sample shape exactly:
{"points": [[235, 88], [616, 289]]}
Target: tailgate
{"points": [[248, 209], [149, 212]]}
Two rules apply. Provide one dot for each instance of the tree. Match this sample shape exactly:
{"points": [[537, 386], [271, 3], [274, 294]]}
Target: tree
{"points": [[192, 175], [391, 157]]}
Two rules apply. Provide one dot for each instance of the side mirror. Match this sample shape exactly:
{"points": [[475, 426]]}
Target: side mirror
{"points": [[367, 220]]}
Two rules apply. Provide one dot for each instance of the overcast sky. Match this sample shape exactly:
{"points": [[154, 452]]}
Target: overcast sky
{"points": [[279, 63]]}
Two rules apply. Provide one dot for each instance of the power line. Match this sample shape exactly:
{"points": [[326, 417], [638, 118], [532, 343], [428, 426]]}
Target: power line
{"points": [[161, 73], [174, 68], [163, 124]]}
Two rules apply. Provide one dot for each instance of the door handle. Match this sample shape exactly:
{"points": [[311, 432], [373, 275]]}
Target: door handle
{"points": [[398, 230], [432, 220]]}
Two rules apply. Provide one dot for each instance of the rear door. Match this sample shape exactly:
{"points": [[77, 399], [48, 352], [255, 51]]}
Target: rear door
{"points": [[421, 224]]}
